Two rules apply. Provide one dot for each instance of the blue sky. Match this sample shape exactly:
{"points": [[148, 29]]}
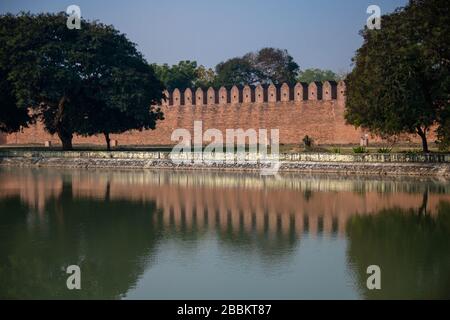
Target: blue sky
{"points": [[317, 33]]}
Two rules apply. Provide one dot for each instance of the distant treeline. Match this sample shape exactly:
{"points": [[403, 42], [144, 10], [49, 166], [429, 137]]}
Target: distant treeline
{"points": [[268, 65]]}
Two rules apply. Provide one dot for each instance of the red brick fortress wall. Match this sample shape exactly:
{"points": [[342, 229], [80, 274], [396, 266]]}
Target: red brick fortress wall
{"points": [[316, 110]]}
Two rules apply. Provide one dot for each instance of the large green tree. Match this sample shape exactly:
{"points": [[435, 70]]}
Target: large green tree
{"points": [[182, 75], [274, 65], [126, 95], [268, 65], [71, 77], [235, 71], [400, 82], [11, 116], [185, 74]]}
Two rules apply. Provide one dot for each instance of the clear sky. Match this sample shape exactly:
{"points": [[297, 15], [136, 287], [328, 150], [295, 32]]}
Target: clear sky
{"points": [[317, 33]]}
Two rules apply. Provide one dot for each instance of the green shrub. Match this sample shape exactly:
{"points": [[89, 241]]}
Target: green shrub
{"points": [[307, 142], [412, 152], [360, 150], [336, 150], [384, 150]]}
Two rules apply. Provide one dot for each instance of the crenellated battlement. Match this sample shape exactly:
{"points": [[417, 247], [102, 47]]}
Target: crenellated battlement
{"points": [[315, 109], [328, 90]]}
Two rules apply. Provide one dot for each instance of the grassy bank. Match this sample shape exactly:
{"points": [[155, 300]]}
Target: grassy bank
{"points": [[284, 148]]}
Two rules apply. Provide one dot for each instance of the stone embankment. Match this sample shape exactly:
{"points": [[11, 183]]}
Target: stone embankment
{"points": [[364, 164]]}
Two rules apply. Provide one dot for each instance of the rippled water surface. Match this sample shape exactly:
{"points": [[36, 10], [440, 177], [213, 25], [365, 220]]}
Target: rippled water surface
{"points": [[189, 235]]}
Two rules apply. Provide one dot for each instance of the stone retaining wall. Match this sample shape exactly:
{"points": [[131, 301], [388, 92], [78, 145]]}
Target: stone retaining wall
{"points": [[314, 157], [368, 164]]}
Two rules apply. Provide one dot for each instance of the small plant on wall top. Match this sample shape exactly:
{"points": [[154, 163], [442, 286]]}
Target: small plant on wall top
{"points": [[307, 142], [336, 150], [412, 151], [384, 150], [360, 150]]}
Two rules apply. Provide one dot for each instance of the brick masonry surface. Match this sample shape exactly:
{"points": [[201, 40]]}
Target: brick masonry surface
{"points": [[313, 110]]}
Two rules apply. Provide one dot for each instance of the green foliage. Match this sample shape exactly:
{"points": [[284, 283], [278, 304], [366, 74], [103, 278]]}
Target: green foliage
{"points": [[336, 150], [307, 142], [274, 65], [311, 75], [235, 71], [268, 65], [181, 76], [401, 79], [412, 152], [384, 150], [12, 116], [443, 132], [359, 150], [86, 81], [185, 74], [205, 77]]}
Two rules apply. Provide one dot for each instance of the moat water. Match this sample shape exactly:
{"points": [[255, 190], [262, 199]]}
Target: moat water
{"points": [[206, 235]]}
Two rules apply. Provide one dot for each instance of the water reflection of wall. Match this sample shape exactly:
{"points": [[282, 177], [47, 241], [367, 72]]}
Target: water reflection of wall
{"points": [[239, 202], [113, 224]]}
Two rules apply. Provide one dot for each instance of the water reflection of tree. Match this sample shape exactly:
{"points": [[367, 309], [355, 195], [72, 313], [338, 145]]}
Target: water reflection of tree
{"points": [[411, 248], [307, 194], [112, 241]]}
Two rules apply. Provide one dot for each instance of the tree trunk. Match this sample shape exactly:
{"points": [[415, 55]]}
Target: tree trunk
{"points": [[108, 141], [108, 191], [64, 134], [66, 140], [423, 135], [423, 207]]}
